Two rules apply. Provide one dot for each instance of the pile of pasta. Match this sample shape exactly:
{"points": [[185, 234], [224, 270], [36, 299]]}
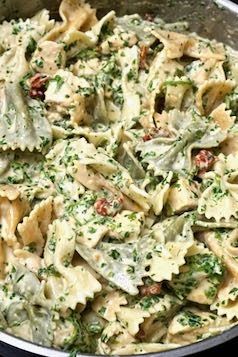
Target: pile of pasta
{"points": [[118, 182]]}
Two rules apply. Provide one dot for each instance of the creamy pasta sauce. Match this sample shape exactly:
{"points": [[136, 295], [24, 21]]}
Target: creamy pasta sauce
{"points": [[118, 182]]}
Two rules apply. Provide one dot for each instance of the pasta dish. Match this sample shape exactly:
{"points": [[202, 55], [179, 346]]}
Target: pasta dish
{"points": [[118, 182]]}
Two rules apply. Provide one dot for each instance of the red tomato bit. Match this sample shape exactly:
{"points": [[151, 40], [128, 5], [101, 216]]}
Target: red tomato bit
{"points": [[155, 133], [150, 290], [204, 160], [38, 86]]}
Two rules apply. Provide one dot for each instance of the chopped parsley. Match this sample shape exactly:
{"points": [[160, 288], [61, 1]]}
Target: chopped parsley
{"points": [[188, 318], [59, 81], [49, 271]]}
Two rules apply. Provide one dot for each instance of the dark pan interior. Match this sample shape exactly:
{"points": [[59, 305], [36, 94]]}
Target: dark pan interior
{"points": [[206, 17]]}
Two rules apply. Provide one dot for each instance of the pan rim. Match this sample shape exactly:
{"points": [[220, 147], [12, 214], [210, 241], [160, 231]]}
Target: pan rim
{"points": [[186, 350]]}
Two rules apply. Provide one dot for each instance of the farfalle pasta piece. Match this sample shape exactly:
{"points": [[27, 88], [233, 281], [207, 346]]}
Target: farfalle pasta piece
{"points": [[63, 97], [28, 259], [33, 229], [158, 73], [69, 153], [113, 335], [233, 63], [92, 232], [174, 237], [199, 277], [200, 71], [191, 322], [25, 33], [109, 304], [9, 191], [26, 284], [96, 218], [75, 284], [49, 57], [60, 159], [124, 33], [90, 226], [226, 303], [30, 322], [94, 32], [230, 145], [98, 137], [218, 72], [153, 329], [128, 159], [28, 314], [116, 264], [116, 340], [168, 257], [204, 223], [178, 93], [67, 291], [197, 47], [126, 264], [24, 173], [191, 131], [23, 123], [211, 94], [131, 192], [11, 213], [127, 225], [76, 15], [219, 198], [223, 245], [158, 195], [129, 60], [64, 331], [83, 156], [43, 19], [13, 62], [131, 318], [222, 117], [173, 42], [160, 308], [182, 196]]}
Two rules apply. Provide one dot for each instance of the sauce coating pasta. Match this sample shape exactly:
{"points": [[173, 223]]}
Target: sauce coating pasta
{"points": [[118, 182]]}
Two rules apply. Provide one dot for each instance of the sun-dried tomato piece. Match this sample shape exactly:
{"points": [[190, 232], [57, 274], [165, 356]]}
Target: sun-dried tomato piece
{"points": [[147, 137], [155, 133], [38, 86], [102, 206], [108, 207], [204, 160], [140, 334], [150, 290], [143, 57], [149, 17]]}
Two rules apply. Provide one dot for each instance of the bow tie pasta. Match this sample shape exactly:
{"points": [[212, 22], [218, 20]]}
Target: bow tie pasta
{"points": [[118, 182]]}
